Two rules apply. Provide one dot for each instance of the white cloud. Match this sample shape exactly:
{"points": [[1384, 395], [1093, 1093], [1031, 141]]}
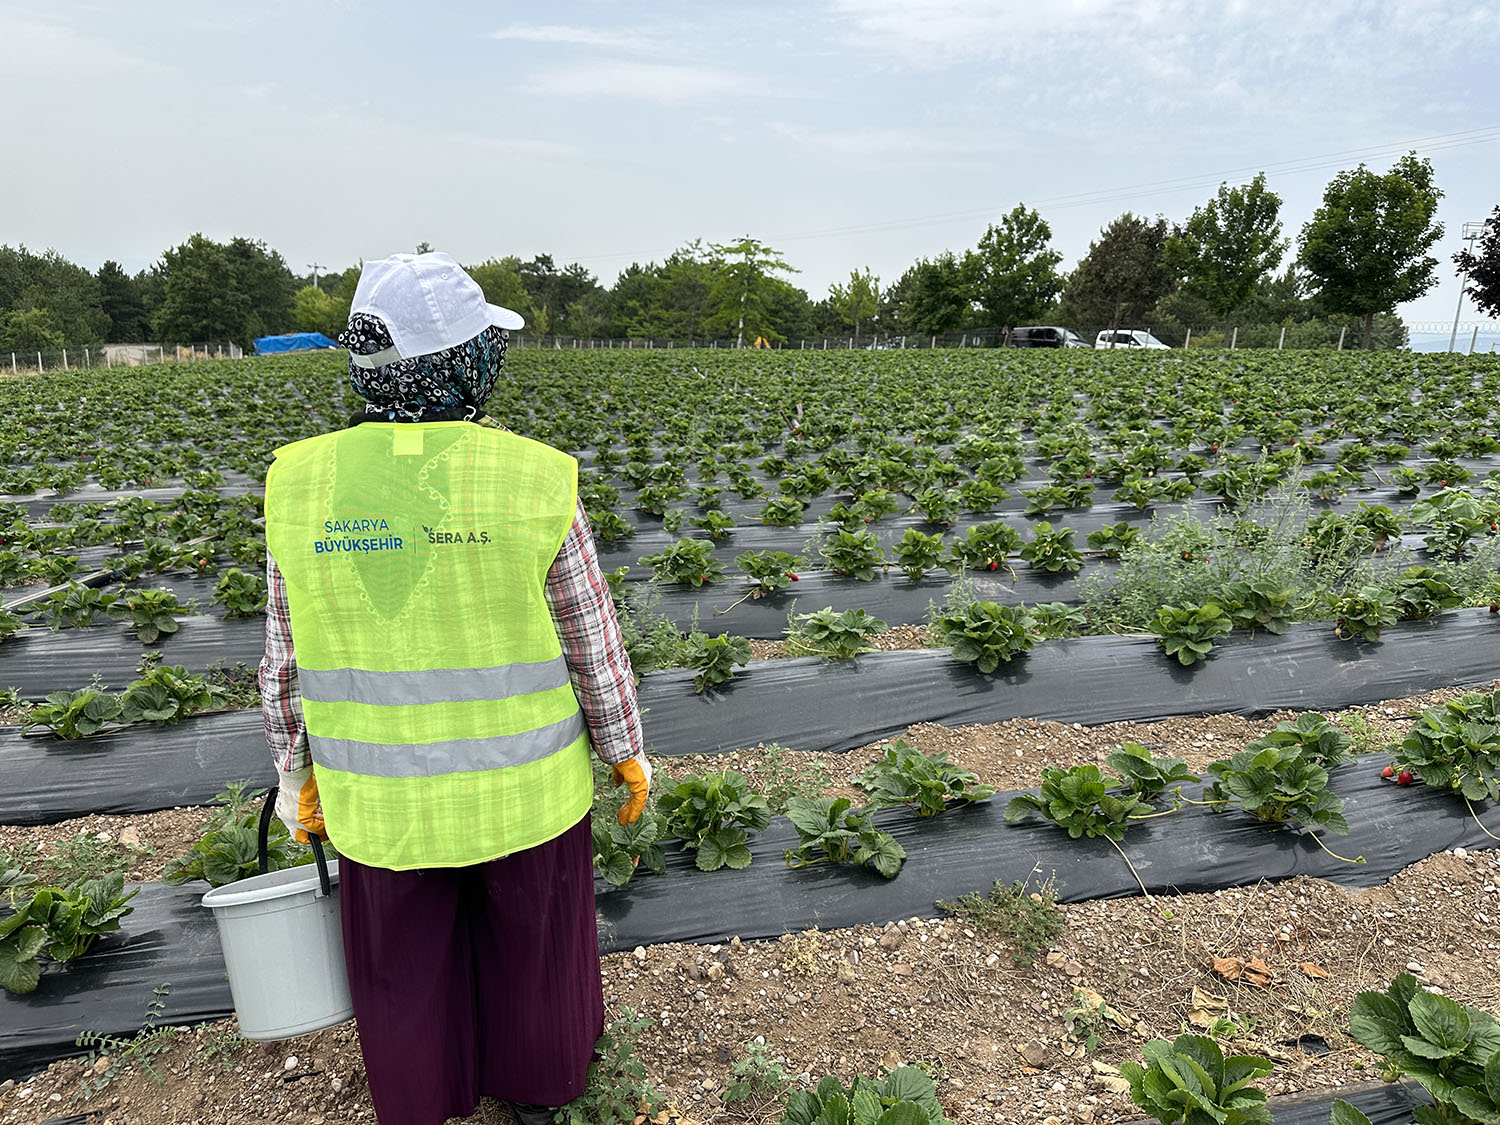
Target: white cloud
{"points": [[650, 82], [609, 39]]}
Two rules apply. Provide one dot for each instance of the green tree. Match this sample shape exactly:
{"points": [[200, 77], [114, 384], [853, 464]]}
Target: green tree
{"points": [[858, 300], [931, 296], [29, 330], [500, 278], [1121, 276], [1367, 246], [214, 291], [121, 299], [1483, 269], [68, 292], [1228, 245], [313, 310], [1012, 275], [741, 291]]}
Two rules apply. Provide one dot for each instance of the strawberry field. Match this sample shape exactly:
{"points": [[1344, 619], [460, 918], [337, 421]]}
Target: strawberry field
{"points": [[817, 558]]}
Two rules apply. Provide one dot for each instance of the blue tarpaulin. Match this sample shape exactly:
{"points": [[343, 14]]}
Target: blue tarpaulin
{"points": [[292, 342]]}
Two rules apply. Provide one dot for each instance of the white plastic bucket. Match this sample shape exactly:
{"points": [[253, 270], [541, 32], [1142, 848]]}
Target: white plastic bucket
{"points": [[284, 949]]}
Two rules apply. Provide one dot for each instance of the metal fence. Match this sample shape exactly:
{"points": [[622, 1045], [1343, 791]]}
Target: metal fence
{"points": [[90, 356]]}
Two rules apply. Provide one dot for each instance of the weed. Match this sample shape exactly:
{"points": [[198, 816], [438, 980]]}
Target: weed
{"points": [[615, 1088], [783, 774], [1028, 920], [222, 1043], [802, 956], [142, 1047], [82, 856], [755, 1080]]}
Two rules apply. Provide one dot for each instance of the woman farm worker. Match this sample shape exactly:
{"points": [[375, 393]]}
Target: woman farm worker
{"points": [[457, 654]]}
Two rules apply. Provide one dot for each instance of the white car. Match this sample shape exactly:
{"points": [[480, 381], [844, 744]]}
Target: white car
{"points": [[1127, 338]]}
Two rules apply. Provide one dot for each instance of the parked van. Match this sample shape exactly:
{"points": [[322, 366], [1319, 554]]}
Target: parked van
{"points": [[1046, 337], [1127, 338]]}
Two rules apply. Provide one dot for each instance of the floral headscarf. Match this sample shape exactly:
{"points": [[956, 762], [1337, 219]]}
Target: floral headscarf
{"points": [[453, 383]]}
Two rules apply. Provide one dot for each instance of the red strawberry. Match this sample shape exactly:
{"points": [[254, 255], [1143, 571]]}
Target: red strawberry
{"points": [[1404, 778], [795, 578], [1388, 772]]}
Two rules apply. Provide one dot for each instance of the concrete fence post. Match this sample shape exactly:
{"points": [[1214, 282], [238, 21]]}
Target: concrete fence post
{"points": [[1281, 343], [1341, 336], [1234, 338], [1188, 341]]}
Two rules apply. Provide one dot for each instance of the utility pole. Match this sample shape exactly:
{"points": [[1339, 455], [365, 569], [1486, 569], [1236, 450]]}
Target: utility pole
{"points": [[1470, 233], [314, 266]]}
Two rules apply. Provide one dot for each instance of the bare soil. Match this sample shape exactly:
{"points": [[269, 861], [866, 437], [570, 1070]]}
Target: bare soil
{"points": [[938, 992]]}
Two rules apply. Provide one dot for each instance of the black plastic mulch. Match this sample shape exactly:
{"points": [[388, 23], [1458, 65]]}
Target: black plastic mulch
{"points": [[137, 769], [815, 704], [37, 661]]}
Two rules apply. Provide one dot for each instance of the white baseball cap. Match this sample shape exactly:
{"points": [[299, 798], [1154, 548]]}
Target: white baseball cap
{"points": [[427, 302]]}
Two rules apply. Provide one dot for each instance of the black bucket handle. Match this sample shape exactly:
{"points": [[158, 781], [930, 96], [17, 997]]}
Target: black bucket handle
{"points": [[263, 861]]}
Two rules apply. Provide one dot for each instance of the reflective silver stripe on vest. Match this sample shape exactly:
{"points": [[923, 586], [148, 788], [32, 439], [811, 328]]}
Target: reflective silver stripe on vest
{"points": [[442, 685], [456, 755]]}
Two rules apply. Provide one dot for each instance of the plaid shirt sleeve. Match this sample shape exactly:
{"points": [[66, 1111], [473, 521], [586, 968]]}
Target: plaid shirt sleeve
{"points": [[587, 627], [280, 704], [589, 630]]}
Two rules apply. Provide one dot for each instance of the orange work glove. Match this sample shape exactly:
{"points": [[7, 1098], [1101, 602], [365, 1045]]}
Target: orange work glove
{"points": [[298, 806], [636, 773]]}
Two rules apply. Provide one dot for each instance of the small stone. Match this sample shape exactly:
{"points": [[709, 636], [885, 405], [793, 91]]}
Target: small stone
{"points": [[640, 953], [7, 1086], [290, 1064], [716, 971], [891, 939], [1034, 1054], [1415, 967], [846, 973], [336, 1084], [102, 1063], [901, 970], [1461, 853], [1073, 969], [104, 836], [992, 960]]}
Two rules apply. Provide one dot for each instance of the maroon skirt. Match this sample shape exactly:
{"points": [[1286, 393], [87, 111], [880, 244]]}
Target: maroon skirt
{"points": [[475, 980]]}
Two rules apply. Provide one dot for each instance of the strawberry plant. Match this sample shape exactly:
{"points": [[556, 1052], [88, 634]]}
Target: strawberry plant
{"points": [[1363, 613], [1113, 539], [939, 506], [1189, 1081], [63, 923], [875, 504], [228, 850], [609, 527], [1144, 774], [1420, 591], [854, 554], [929, 783], [917, 552], [1189, 633], [716, 523], [1379, 523], [168, 694], [905, 1096], [1051, 550], [620, 850], [1040, 501], [9, 623], [987, 634], [657, 498], [1452, 1050], [831, 830], [715, 658], [841, 636], [75, 714], [1318, 739], [240, 593], [74, 605], [983, 496], [711, 814], [689, 562], [1279, 785], [148, 612], [986, 546], [782, 511], [769, 570], [1260, 603], [1456, 746], [1078, 800], [1054, 620]]}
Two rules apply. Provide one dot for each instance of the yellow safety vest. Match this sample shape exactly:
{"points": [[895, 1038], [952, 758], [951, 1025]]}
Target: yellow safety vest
{"points": [[439, 712]]}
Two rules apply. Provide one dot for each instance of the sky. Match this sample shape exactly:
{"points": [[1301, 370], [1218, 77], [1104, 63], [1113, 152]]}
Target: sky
{"points": [[848, 134]]}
